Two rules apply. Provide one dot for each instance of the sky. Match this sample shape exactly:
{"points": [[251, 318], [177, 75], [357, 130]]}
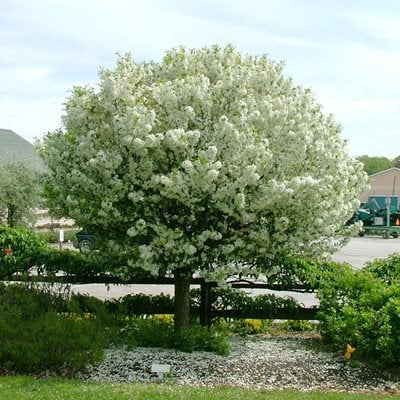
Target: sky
{"points": [[346, 51]]}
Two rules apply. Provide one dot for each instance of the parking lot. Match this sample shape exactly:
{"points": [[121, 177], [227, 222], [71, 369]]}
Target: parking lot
{"points": [[357, 252], [360, 250]]}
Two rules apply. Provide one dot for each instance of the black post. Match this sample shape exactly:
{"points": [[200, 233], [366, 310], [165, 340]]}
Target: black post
{"points": [[205, 304]]}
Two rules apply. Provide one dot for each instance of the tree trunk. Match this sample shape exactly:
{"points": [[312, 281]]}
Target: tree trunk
{"points": [[182, 302], [10, 216]]}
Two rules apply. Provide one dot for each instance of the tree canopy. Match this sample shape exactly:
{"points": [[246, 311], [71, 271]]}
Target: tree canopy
{"points": [[396, 162], [373, 164], [19, 193], [208, 161]]}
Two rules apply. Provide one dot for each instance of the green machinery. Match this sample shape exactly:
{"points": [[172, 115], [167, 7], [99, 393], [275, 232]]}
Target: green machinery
{"points": [[379, 216]]}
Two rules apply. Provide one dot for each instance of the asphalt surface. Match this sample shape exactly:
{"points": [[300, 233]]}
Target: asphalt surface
{"points": [[361, 250], [358, 252]]}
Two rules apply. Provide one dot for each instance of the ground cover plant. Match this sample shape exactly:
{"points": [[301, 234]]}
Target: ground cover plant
{"points": [[28, 388]]}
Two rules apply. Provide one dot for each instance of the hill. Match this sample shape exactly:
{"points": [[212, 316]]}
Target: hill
{"points": [[15, 148]]}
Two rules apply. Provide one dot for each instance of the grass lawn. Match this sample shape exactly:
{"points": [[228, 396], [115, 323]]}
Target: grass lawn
{"points": [[28, 388]]}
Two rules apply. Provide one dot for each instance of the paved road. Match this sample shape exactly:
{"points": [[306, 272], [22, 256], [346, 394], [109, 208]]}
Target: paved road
{"points": [[357, 252], [360, 250]]}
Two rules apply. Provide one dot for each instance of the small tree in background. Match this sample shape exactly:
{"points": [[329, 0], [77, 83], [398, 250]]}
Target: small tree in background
{"points": [[396, 162], [372, 164], [207, 161], [19, 193]]}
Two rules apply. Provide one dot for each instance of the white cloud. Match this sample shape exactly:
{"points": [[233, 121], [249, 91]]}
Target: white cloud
{"points": [[371, 124], [350, 102], [382, 26], [31, 73], [30, 118], [7, 54], [346, 52], [376, 62]]}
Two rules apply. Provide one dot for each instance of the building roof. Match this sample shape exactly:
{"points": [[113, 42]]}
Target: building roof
{"points": [[393, 169], [15, 148]]}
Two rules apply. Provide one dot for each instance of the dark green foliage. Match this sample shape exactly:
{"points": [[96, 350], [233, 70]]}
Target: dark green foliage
{"points": [[83, 303], [159, 332], [37, 334], [198, 338], [73, 263], [86, 264], [139, 304], [27, 250], [222, 299], [387, 270], [19, 193], [373, 164], [32, 301], [240, 301], [30, 251], [362, 308], [296, 326], [396, 162], [291, 271], [54, 236], [244, 326]]}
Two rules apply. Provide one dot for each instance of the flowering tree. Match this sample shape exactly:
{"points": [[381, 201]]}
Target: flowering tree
{"points": [[208, 161]]}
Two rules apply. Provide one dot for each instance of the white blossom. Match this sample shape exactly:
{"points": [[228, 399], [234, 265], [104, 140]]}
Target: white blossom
{"points": [[212, 175], [205, 160]]}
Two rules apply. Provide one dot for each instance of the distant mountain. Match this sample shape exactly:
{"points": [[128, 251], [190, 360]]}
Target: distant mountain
{"points": [[15, 148]]}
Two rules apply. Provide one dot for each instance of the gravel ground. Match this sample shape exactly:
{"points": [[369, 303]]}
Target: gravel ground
{"points": [[261, 362], [257, 362]]}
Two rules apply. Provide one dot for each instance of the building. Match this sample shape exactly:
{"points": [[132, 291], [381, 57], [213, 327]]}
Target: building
{"points": [[15, 148], [384, 183]]}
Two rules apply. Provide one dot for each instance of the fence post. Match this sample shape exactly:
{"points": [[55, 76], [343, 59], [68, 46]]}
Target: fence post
{"points": [[205, 304]]}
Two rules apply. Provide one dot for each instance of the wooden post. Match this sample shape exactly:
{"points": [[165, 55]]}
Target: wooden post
{"points": [[182, 302], [205, 304]]}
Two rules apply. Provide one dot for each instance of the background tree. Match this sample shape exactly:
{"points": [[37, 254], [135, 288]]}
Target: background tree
{"points": [[208, 161], [372, 165], [396, 162], [19, 193]]}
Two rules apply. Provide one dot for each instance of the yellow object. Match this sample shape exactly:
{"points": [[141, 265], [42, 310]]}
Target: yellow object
{"points": [[349, 351]]}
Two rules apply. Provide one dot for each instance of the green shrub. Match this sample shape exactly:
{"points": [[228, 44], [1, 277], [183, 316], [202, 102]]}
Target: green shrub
{"points": [[289, 271], [83, 303], [198, 338], [54, 236], [245, 326], [363, 310], [240, 301], [36, 335], [31, 250], [296, 326], [27, 251], [139, 304], [159, 332], [72, 263], [387, 270]]}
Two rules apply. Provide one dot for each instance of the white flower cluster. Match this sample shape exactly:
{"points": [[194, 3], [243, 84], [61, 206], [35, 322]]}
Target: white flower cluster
{"points": [[206, 160]]}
